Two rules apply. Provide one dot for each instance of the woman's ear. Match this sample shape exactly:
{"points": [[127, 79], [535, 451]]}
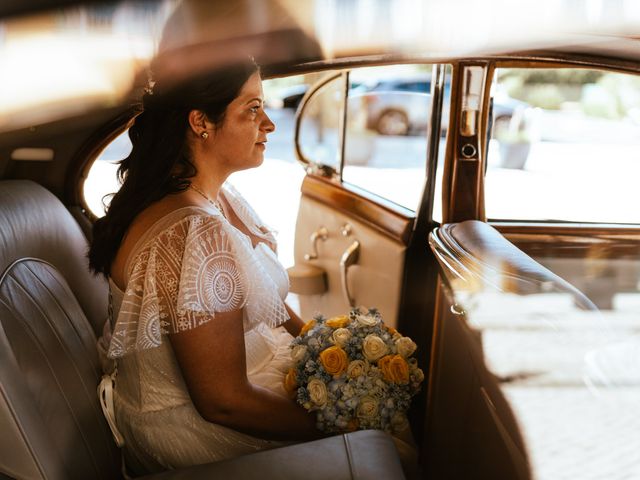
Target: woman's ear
{"points": [[198, 122]]}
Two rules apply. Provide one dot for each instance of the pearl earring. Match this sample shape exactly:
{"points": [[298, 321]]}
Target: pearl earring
{"points": [[204, 135]]}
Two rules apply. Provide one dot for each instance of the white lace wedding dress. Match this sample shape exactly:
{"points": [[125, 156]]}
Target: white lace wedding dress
{"points": [[187, 267]]}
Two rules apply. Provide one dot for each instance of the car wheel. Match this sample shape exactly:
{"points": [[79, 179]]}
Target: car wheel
{"points": [[393, 122]]}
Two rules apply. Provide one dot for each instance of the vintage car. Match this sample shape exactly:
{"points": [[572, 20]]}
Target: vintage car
{"points": [[518, 279]]}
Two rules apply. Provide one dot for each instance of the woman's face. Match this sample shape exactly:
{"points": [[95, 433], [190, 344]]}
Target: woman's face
{"points": [[240, 140]]}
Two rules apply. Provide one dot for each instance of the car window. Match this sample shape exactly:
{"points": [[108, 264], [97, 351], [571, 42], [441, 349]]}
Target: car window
{"points": [[567, 137], [102, 181], [385, 141], [319, 134]]}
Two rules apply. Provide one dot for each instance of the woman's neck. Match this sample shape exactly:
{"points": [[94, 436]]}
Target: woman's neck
{"points": [[208, 184]]}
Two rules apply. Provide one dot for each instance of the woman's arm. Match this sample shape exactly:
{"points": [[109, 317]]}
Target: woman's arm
{"points": [[213, 363], [294, 324]]}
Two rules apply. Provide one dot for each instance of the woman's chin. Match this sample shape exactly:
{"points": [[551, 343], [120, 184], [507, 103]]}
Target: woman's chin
{"points": [[255, 161], [259, 159]]}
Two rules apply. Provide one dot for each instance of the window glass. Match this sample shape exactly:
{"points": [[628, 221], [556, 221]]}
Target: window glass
{"points": [[564, 146], [320, 125], [388, 112], [102, 178]]}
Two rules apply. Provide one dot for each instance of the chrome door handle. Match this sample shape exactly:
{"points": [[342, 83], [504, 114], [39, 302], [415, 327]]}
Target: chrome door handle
{"points": [[321, 234], [349, 257]]}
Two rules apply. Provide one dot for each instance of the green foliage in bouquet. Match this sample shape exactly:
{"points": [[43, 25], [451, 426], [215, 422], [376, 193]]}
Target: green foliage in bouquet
{"points": [[355, 372]]}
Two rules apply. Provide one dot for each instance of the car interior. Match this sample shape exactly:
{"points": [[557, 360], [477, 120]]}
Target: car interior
{"points": [[525, 319]]}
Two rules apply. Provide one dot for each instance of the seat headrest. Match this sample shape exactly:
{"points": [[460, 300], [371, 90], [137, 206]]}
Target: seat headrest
{"points": [[35, 224]]}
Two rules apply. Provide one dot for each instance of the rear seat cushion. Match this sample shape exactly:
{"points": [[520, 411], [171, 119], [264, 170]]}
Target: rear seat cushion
{"points": [[368, 454], [50, 418], [35, 224]]}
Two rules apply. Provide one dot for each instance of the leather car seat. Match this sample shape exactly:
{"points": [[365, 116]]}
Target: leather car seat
{"points": [[51, 309]]}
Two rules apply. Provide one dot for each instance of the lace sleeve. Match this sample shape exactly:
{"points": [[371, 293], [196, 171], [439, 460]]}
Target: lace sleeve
{"points": [[211, 280], [198, 267]]}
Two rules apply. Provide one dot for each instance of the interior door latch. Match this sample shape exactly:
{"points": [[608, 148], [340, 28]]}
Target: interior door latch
{"points": [[321, 234], [349, 258]]}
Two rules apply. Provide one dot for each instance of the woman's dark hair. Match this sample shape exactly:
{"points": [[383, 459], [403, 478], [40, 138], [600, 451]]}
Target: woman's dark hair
{"points": [[160, 161]]}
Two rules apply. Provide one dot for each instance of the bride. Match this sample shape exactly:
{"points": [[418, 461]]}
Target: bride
{"points": [[199, 330]]}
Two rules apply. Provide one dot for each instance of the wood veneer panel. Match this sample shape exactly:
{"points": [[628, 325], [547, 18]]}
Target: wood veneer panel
{"points": [[391, 222], [569, 241]]}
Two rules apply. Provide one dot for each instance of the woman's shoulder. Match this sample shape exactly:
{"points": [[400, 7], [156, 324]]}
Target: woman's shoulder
{"points": [[161, 228]]}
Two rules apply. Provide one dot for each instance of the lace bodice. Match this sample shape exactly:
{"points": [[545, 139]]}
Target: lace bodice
{"points": [[192, 264]]}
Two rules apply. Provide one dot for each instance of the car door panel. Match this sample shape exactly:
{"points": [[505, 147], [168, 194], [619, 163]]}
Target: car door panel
{"points": [[375, 280]]}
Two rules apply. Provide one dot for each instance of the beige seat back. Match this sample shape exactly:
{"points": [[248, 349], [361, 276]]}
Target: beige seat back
{"points": [[50, 310]]}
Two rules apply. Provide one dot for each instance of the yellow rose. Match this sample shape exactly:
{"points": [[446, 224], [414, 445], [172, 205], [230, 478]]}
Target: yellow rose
{"points": [[383, 365], [357, 368], [291, 381], [400, 369], [394, 368], [374, 347], [307, 326], [405, 346], [338, 322], [317, 392], [334, 360], [391, 330], [367, 408]]}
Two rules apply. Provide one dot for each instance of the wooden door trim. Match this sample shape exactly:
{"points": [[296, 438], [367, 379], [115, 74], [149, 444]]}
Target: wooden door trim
{"points": [[392, 220], [543, 240]]}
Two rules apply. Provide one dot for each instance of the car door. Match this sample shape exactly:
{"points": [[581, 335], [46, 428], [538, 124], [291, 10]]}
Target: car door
{"points": [[550, 354], [367, 202], [360, 195]]}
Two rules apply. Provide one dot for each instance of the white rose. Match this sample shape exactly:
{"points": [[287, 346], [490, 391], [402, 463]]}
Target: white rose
{"points": [[374, 348], [341, 336], [357, 368], [367, 408], [317, 392], [405, 346], [399, 422], [418, 375], [298, 353], [367, 320]]}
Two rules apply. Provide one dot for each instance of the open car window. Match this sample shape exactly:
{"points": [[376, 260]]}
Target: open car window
{"points": [[369, 127], [567, 137]]}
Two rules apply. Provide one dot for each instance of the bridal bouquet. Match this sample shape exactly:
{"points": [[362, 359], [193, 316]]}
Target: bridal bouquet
{"points": [[355, 372]]}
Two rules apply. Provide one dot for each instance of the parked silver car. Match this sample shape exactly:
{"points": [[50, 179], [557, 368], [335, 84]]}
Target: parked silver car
{"points": [[397, 106]]}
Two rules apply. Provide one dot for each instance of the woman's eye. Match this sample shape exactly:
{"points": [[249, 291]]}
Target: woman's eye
{"points": [[254, 109]]}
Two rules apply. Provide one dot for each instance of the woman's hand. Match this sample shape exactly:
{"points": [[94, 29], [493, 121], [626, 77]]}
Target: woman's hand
{"points": [[294, 324], [213, 363]]}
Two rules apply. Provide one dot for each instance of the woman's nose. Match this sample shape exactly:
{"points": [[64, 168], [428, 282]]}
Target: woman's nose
{"points": [[267, 125]]}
